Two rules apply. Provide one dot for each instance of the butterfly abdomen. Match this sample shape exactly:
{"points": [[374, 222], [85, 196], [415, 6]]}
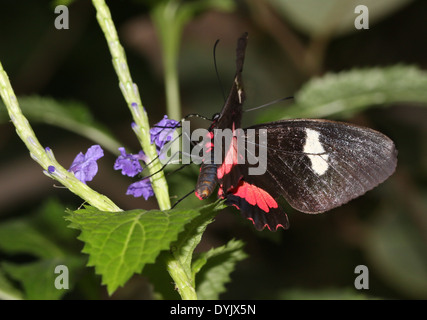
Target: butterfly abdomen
{"points": [[207, 180]]}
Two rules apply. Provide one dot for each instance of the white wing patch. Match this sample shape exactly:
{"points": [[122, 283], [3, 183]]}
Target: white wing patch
{"points": [[239, 90], [315, 152]]}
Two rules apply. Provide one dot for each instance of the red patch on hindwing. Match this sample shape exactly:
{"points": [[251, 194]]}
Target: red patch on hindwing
{"points": [[256, 204], [255, 196]]}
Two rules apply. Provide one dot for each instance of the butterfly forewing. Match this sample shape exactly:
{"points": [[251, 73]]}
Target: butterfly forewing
{"points": [[229, 118]]}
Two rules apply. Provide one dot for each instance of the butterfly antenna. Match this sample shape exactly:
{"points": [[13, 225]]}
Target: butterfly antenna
{"points": [[216, 70], [174, 205], [197, 116], [269, 104], [178, 125]]}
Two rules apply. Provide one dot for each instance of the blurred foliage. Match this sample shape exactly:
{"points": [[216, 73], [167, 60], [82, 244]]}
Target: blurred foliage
{"points": [[342, 95], [308, 49], [35, 245], [320, 18], [73, 116], [397, 247], [325, 294]]}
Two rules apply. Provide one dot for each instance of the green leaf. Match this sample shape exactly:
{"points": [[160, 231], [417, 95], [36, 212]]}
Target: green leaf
{"points": [[323, 294], [69, 115], [7, 290], [213, 268], [396, 247], [55, 3], [340, 95], [49, 219], [178, 259], [188, 240], [19, 236], [38, 278], [121, 244], [37, 235]]}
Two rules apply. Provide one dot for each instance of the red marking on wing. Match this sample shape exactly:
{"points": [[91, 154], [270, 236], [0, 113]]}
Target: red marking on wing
{"points": [[229, 161], [236, 206], [222, 195], [266, 225], [261, 211], [255, 196], [209, 146]]}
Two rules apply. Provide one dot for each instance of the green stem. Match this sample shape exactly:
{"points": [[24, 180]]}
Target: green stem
{"points": [[131, 94], [45, 157], [183, 281], [172, 89], [169, 20]]}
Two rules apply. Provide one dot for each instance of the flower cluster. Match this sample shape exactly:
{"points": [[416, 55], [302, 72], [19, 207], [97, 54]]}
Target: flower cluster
{"points": [[85, 167], [130, 164]]}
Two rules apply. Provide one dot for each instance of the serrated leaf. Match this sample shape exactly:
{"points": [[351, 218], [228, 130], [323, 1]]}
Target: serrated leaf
{"points": [[340, 95], [182, 253], [213, 268], [69, 115], [38, 278], [192, 235], [120, 244]]}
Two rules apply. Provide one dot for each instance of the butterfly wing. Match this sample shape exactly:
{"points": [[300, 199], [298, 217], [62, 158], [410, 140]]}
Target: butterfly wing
{"points": [[316, 165]]}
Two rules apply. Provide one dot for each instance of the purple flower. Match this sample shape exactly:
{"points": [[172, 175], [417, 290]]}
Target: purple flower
{"points": [[131, 166], [141, 188], [162, 132], [84, 166], [129, 163]]}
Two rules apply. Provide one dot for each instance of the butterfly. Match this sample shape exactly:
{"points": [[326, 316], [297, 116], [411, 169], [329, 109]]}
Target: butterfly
{"points": [[315, 165]]}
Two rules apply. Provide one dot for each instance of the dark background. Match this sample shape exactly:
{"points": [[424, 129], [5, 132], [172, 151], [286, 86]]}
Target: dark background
{"points": [[319, 253]]}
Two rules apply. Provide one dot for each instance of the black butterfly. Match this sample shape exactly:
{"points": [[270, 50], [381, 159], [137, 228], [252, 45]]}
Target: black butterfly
{"points": [[316, 165]]}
